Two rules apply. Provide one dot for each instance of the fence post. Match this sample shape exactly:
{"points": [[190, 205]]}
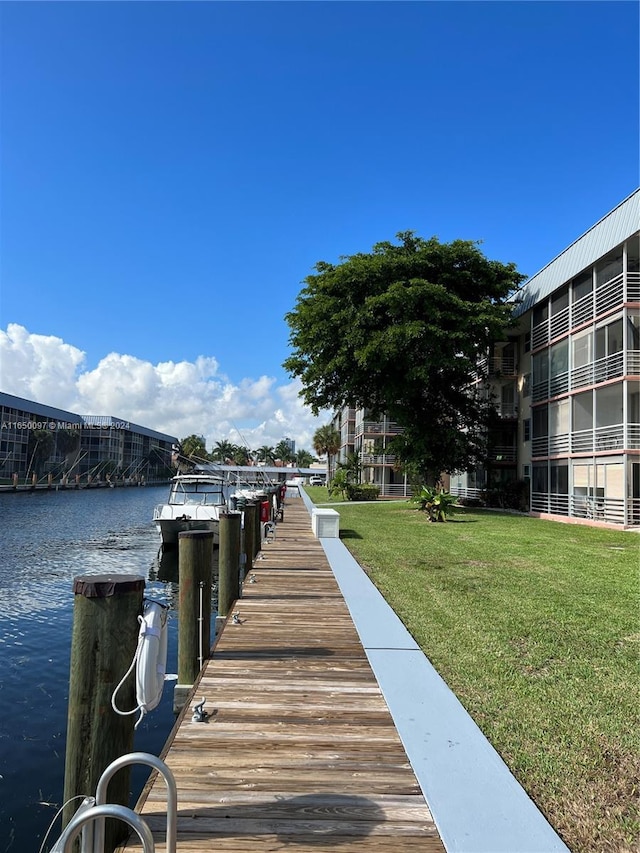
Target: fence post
{"points": [[104, 641], [250, 517]]}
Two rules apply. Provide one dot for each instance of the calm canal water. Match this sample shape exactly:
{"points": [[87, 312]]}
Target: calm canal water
{"points": [[46, 539]]}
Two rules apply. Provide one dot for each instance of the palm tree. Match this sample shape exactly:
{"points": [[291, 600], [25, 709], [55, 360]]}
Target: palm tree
{"points": [[326, 442], [222, 451], [283, 452], [265, 454], [304, 459], [240, 455]]}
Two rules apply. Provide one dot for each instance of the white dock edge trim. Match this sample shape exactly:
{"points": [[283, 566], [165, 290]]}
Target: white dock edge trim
{"points": [[476, 802]]}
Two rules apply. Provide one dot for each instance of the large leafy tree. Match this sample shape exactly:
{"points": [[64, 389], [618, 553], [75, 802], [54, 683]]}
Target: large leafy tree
{"points": [[399, 331]]}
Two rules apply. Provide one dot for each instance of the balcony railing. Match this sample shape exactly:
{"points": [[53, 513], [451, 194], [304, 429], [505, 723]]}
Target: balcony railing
{"points": [[603, 299], [507, 410], [378, 428], [378, 459], [598, 440], [610, 510], [502, 454]]}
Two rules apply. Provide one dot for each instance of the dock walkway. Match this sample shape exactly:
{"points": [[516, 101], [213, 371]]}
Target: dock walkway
{"points": [[300, 752]]}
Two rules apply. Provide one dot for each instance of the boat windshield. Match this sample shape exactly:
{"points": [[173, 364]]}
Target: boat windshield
{"points": [[196, 493]]}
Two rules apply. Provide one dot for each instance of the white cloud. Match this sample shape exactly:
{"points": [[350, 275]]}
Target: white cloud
{"points": [[177, 398]]}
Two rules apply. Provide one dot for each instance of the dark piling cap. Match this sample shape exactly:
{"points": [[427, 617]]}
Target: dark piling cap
{"points": [[104, 586]]}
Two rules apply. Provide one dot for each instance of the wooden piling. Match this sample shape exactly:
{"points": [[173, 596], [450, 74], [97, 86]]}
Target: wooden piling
{"points": [[195, 569], [104, 641], [229, 562], [250, 518]]}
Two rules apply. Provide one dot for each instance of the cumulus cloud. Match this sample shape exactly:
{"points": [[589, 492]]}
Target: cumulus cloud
{"points": [[178, 398]]}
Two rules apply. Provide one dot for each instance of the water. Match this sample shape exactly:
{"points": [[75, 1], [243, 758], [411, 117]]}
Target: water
{"points": [[46, 539]]}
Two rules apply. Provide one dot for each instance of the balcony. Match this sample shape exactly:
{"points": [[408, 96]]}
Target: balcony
{"points": [[606, 297], [598, 440], [378, 459], [502, 454], [497, 366], [377, 428]]}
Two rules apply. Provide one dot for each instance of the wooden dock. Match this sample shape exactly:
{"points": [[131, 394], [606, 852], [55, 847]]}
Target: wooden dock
{"points": [[300, 752]]}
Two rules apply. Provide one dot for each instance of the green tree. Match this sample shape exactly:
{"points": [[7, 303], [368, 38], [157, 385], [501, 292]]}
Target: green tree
{"points": [[326, 442], [399, 331], [283, 452], [265, 454], [240, 455], [222, 451], [304, 459], [352, 467], [193, 449]]}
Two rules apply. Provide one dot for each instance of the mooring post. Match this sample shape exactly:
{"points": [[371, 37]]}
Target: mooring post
{"points": [[250, 516], [103, 643], [229, 562], [195, 570]]}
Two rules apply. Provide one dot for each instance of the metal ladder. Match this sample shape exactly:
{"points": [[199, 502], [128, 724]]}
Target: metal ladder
{"points": [[90, 817]]}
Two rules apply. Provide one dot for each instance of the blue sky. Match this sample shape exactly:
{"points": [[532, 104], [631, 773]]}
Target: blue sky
{"points": [[172, 171]]}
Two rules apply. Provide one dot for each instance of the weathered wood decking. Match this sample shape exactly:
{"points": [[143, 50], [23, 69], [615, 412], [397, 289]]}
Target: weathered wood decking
{"points": [[300, 752]]}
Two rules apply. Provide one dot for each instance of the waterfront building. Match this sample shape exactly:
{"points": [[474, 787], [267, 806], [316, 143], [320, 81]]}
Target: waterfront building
{"points": [[40, 443], [566, 386], [572, 369]]}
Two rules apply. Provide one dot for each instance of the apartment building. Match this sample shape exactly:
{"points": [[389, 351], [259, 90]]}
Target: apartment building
{"points": [[574, 431], [46, 443], [370, 438], [566, 388]]}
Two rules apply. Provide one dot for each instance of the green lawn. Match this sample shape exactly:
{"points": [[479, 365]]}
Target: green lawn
{"points": [[535, 626]]}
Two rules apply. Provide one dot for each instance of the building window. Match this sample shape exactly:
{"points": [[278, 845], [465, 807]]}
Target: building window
{"points": [[526, 472], [527, 341], [526, 385], [526, 429], [609, 267]]}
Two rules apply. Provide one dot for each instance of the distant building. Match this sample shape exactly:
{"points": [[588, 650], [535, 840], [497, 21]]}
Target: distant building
{"points": [[290, 443], [53, 443]]}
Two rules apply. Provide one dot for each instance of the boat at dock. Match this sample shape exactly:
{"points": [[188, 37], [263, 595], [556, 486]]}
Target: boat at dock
{"points": [[195, 502]]}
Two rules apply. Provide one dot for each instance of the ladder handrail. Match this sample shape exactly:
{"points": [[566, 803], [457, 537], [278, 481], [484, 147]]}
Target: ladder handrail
{"points": [[99, 812], [172, 795]]}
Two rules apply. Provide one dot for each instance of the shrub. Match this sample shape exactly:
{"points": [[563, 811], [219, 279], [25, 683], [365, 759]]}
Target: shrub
{"points": [[362, 492], [437, 504]]}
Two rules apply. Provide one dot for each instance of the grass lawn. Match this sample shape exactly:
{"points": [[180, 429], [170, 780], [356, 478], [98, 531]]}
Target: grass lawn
{"points": [[535, 626]]}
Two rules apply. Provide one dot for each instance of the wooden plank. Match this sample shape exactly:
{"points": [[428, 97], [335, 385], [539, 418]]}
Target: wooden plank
{"points": [[300, 751]]}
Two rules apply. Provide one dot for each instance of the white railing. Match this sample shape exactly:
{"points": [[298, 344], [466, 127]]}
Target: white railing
{"points": [[633, 437], [610, 294], [582, 310], [378, 428], [610, 437], [633, 512], [540, 335], [559, 323], [540, 391], [540, 446], [377, 459], [610, 510], [502, 454], [559, 384], [507, 410], [608, 367], [558, 444], [464, 492], [633, 287], [394, 490], [633, 363]]}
